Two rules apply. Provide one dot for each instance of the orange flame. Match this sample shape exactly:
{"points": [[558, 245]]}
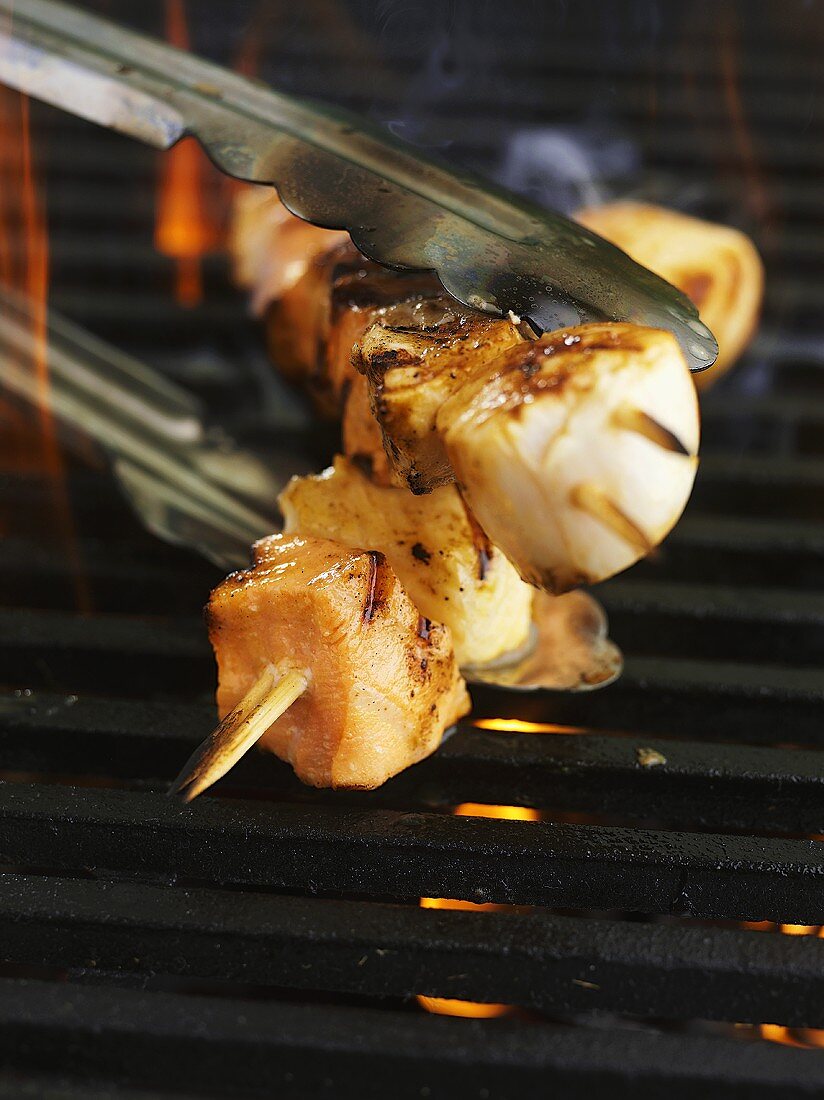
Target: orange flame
{"points": [[503, 813], [757, 195], [24, 269], [247, 59], [806, 1037], [184, 229], [515, 725], [445, 1006]]}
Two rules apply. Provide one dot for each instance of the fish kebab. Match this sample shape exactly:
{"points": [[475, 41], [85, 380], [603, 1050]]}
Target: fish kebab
{"points": [[400, 359], [430, 377], [317, 656]]}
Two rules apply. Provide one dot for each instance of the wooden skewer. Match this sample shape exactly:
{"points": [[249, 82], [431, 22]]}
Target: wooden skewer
{"points": [[594, 501], [269, 697], [634, 420]]}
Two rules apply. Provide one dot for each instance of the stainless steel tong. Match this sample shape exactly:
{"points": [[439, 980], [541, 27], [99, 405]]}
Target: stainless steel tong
{"points": [[490, 249]]}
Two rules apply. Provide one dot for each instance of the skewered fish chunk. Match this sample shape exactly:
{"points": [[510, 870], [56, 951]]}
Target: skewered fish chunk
{"points": [[320, 302], [297, 324], [422, 354], [716, 266], [414, 356], [450, 569], [576, 452], [314, 325], [362, 437], [372, 684]]}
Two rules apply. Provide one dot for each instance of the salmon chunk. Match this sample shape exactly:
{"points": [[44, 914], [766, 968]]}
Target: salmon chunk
{"points": [[314, 325], [270, 248], [382, 680], [414, 356]]}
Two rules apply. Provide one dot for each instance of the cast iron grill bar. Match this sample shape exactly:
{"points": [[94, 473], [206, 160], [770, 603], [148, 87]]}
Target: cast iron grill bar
{"points": [[776, 422], [730, 551], [105, 312], [753, 485], [61, 651], [698, 785], [776, 107], [245, 1049], [779, 627], [759, 704], [716, 622], [752, 488], [409, 855], [38, 577], [742, 552], [659, 696], [561, 965]]}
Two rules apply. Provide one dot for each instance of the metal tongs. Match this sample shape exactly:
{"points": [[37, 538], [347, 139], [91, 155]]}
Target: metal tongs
{"points": [[491, 250]]}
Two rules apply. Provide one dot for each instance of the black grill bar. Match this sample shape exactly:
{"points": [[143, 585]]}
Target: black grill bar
{"points": [[562, 965], [39, 576], [408, 855], [725, 548], [65, 649], [740, 551], [702, 549], [761, 704], [694, 784], [782, 627], [753, 485], [247, 1049], [656, 696], [648, 618], [772, 424]]}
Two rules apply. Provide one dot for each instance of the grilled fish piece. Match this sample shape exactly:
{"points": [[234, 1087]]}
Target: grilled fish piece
{"points": [[716, 266], [414, 356], [320, 295], [450, 569], [381, 680], [315, 323], [316, 291], [362, 437], [576, 452]]}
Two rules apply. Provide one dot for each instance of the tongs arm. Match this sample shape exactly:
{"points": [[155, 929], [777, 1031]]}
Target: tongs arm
{"points": [[490, 249]]}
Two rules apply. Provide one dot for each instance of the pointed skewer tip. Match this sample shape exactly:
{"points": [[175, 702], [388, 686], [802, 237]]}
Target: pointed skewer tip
{"points": [[635, 420], [268, 698], [595, 502]]}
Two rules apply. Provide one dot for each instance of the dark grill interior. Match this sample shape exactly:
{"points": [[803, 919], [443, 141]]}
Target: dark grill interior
{"points": [[268, 940]]}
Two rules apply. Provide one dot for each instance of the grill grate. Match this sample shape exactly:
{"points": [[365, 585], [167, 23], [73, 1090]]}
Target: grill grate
{"points": [[269, 938]]}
